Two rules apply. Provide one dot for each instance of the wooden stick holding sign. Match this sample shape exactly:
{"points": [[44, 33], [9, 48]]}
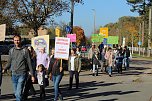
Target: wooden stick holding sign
{"points": [[61, 68]]}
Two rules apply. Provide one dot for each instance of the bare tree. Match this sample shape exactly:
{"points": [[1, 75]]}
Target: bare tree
{"points": [[34, 13]]}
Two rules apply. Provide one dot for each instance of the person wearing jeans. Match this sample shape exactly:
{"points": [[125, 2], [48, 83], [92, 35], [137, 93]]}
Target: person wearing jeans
{"points": [[109, 59], [91, 52], [56, 81], [20, 63], [18, 84], [55, 71]]}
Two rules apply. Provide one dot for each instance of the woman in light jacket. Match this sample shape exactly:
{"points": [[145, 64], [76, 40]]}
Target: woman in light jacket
{"points": [[109, 59], [74, 67]]}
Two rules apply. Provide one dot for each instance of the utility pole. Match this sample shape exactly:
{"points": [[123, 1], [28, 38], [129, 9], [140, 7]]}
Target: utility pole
{"points": [[139, 34], [149, 34], [94, 20], [72, 14]]}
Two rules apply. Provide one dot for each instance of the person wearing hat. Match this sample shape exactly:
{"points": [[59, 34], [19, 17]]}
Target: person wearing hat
{"points": [[92, 56]]}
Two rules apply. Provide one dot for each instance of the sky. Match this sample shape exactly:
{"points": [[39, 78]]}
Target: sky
{"points": [[105, 11]]}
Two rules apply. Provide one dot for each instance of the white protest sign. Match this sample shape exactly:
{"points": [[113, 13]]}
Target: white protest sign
{"points": [[2, 32], [62, 46]]}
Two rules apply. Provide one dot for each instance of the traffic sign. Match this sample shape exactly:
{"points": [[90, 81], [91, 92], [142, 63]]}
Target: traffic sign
{"points": [[68, 29], [139, 43]]}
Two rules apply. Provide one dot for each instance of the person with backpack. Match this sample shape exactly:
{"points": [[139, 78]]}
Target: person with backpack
{"points": [[20, 63]]}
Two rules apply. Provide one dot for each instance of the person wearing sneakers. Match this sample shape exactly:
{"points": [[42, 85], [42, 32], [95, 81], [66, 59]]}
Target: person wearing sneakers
{"points": [[92, 50]]}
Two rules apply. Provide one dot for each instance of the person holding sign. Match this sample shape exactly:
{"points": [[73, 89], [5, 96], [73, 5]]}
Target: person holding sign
{"points": [[55, 71], [74, 67]]}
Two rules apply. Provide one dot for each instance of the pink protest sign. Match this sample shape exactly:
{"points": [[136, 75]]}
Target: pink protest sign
{"points": [[72, 37]]}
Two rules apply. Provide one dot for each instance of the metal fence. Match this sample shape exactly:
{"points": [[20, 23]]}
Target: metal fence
{"points": [[140, 50]]}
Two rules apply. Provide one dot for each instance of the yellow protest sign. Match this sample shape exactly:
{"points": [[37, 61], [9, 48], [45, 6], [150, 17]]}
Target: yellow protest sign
{"points": [[57, 31], [104, 32]]}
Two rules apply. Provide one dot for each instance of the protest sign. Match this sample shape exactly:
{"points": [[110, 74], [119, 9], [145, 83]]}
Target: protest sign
{"points": [[62, 46], [41, 42], [72, 37], [2, 32], [112, 40]]}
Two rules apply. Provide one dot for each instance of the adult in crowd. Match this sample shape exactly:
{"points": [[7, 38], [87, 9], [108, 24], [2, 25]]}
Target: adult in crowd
{"points": [[101, 47], [92, 50], [29, 83], [20, 63], [74, 67], [126, 54], [43, 58], [55, 71], [78, 52], [109, 61]]}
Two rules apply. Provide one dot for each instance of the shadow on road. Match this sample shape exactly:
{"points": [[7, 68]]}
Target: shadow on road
{"points": [[86, 90]]}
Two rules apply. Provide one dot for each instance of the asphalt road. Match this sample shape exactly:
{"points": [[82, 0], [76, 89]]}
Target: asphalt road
{"points": [[134, 84]]}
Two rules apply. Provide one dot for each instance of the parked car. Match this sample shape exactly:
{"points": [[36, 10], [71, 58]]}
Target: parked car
{"points": [[83, 49]]}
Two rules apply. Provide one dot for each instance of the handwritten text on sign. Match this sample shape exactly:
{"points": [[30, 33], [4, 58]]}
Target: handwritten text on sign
{"points": [[62, 48]]}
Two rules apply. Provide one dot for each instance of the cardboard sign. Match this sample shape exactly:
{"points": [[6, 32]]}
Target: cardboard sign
{"points": [[112, 40], [96, 38], [62, 46], [41, 42], [2, 32], [104, 32], [72, 37]]}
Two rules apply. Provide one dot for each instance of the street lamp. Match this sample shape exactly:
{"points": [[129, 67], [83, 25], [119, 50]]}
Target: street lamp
{"points": [[94, 19]]}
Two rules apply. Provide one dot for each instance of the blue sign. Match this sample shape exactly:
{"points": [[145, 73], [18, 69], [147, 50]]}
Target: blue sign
{"points": [[139, 43], [68, 29], [105, 41]]}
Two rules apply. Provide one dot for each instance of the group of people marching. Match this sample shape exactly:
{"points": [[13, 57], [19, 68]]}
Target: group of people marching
{"points": [[111, 59], [29, 67]]}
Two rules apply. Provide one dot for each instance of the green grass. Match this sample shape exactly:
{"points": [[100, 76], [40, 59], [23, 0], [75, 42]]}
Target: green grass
{"points": [[141, 56]]}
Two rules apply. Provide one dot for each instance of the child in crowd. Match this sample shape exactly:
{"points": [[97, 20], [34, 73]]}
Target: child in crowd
{"points": [[42, 80], [119, 60]]}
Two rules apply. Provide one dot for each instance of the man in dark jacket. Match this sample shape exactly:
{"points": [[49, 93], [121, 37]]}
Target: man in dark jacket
{"points": [[126, 54], [20, 63]]}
